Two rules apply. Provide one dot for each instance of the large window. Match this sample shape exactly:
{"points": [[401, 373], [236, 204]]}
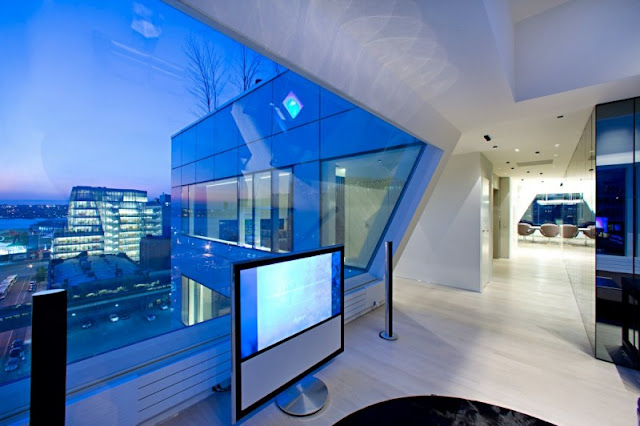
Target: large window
{"points": [[200, 303], [359, 194], [216, 210], [262, 210], [115, 88], [245, 213], [240, 210]]}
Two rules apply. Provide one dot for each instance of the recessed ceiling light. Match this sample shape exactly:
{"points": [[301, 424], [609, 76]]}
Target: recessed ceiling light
{"points": [[487, 138], [540, 172], [522, 180], [508, 162], [590, 170], [528, 171], [495, 147], [513, 168], [537, 152], [517, 150], [557, 145], [560, 116]]}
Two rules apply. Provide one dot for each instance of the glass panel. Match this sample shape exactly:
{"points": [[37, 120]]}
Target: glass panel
{"points": [[331, 104], [579, 251], [296, 101], [222, 209], [186, 214], [176, 152], [616, 301], [262, 205], [205, 143], [252, 114], [245, 215], [283, 209], [359, 194], [188, 138], [202, 303]]}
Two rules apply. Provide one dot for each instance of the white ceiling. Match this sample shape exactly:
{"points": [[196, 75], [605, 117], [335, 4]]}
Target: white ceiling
{"points": [[451, 72]]}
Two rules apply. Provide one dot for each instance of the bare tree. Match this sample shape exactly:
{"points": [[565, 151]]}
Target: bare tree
{"points": [[205, 70], [246, 68]]}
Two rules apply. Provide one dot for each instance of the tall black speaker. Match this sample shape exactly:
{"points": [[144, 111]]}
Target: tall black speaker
{"points": [[388, 333], [48, 357]]}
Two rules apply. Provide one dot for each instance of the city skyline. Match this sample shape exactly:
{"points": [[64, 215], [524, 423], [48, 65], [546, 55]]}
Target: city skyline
{"points": [[93, 94]]}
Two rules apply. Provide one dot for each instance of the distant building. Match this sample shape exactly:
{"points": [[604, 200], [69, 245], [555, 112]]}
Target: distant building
{"points": [[48, 226], [107, 221]]}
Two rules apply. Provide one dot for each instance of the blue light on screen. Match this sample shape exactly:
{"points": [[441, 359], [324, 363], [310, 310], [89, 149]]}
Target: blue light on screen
{"points": [[282, 299]]}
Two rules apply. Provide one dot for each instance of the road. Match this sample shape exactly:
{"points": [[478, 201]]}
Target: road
{"points": [[18, 294]]}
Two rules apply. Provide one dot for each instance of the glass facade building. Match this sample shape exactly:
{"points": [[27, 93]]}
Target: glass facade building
{"points": [[287, 167], [108, 221]]}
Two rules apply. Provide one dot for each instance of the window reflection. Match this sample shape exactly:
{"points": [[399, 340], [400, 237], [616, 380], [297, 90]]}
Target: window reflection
{"points": [[359, 194]]}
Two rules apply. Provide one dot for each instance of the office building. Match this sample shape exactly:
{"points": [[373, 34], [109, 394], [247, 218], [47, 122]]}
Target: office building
{"points": [[109, 221], [427, 123]]}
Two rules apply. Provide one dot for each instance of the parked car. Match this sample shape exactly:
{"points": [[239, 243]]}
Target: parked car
{"points": [[17, 345], [12, 364], [16, 353], [114, 317], [32, 285], [150, 317], [87, 324]]}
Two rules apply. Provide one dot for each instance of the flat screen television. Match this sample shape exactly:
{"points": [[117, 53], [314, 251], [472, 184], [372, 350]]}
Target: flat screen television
{"points": [[287, 319]]}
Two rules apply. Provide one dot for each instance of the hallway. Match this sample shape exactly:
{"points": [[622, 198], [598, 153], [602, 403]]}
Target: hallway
{"points": [[521, 344]]}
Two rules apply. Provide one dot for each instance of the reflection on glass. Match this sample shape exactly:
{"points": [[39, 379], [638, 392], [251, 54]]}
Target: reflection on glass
{"points": [[616, 280], [283, 195], [245, 215], [262, 203], [560, 208], [200, 303], [219, 203], [359, 194]]}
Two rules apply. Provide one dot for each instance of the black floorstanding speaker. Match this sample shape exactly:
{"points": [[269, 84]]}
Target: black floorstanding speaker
{"points": [[48, 358]]}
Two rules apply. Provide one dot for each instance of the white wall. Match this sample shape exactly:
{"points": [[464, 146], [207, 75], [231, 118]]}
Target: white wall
{"points": [[445, 245]]}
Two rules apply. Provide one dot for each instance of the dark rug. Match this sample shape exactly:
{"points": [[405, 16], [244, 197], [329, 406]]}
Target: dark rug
{"points": [[437, 410]]}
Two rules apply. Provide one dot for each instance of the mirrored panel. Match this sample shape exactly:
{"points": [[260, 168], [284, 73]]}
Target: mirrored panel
{"points": [[616, 282]]}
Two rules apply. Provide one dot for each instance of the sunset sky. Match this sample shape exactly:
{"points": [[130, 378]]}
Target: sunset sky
{"points": [[92, 92]]}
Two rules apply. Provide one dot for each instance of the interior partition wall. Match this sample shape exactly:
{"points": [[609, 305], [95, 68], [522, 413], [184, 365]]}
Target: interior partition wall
{"points": [[579, 253], [287, 167], [617, 243]]}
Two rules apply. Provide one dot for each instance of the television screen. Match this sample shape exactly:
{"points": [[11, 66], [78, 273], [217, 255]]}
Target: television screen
{"points": [[287, 320], [292, 296], [602, 223]]}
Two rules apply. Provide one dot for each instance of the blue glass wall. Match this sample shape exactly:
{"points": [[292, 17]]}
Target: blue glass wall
{"points": [[617, 225], [287, 167]]}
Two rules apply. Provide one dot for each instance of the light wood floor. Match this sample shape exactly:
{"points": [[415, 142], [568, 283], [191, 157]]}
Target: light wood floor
{"points": [[520, 344]]}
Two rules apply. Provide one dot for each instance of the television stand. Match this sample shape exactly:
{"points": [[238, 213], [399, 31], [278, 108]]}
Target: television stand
{"points": [[304, 398]]}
